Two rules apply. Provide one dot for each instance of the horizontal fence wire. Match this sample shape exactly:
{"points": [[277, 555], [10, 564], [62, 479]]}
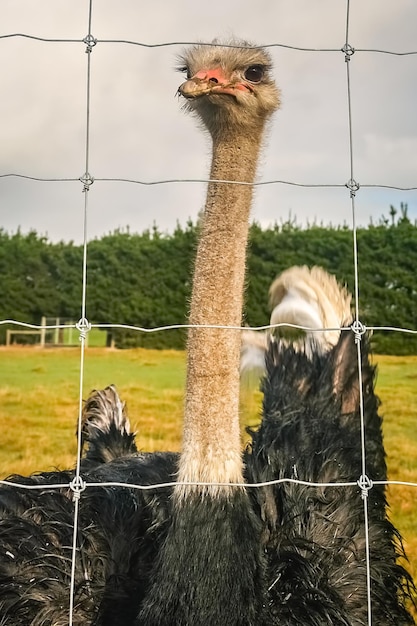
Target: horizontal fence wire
{"points": [[156, 329], [83, 484], [170, 181], [167, 44], [78, 484]]}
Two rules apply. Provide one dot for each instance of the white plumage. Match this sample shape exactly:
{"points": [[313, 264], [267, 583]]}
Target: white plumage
{"points": [[305, 297]]}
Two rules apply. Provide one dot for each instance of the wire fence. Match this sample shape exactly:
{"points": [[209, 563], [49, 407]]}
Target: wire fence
{"points": [[83, 326]]}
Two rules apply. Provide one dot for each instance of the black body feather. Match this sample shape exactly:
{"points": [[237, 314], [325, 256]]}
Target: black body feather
{"points": [[286, 554]]}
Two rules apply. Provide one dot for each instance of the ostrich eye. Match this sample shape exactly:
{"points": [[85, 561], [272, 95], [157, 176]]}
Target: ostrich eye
{"points": [[254, 73], [184, 69]]}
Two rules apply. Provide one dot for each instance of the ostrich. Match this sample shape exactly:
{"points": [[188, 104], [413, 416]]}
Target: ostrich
{"points": [[214, 532], [218, 552], [315, 536]]}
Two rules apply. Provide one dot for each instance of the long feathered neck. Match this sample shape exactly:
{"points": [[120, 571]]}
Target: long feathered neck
{"points": [[211, 447]]}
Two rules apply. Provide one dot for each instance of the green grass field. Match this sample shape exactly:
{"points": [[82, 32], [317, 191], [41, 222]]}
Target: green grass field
{"points": [[39, 399]]}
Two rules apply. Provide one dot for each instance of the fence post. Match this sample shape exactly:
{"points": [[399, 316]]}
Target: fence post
{"points": [[43, 331]]}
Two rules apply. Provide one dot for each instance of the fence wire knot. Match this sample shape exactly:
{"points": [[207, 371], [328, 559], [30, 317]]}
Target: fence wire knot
{"points": [[348, 50], [90, 42], [358, 330], [87, 180], [77, 486], [83, 326], [353, 186], [364, 484]]}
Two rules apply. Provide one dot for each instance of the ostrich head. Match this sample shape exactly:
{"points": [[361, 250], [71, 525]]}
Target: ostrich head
{"points": [[229, 86]]}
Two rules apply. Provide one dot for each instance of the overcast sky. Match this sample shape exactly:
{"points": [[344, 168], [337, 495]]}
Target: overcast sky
{"points": [[138, 130]]}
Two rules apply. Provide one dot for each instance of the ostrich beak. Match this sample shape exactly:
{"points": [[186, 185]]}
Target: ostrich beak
{"points": [[211, 81]]}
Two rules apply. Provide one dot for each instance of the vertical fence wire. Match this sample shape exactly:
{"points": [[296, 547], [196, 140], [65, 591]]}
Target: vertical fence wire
{"points": [[353, 186], [83, 325]]}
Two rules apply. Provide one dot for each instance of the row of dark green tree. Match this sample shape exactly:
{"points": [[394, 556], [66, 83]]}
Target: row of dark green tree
{"points": [[145, 279]]}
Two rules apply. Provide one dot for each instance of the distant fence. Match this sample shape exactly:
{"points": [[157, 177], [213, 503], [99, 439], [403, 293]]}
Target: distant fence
{"points": [[63, 334]]}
